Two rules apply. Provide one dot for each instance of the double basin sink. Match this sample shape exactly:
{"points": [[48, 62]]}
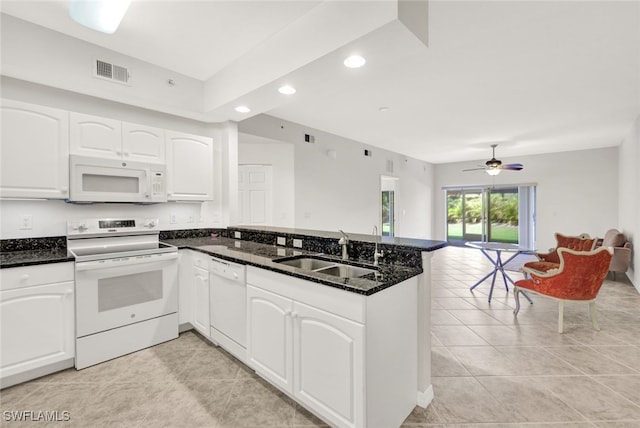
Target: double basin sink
{"points": [[326, 266]]}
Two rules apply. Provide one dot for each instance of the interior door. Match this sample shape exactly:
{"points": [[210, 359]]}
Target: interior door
{"points": [[255, 194]]}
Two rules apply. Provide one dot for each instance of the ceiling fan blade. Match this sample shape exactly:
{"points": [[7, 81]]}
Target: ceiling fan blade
{"points": [[474, 169], [512, 166]]}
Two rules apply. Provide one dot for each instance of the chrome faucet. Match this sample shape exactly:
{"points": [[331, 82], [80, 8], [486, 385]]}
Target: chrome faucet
{"points": [[344, 241], [376, 254]]}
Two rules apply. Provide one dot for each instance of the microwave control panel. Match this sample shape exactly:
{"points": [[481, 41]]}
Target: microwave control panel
{"points": [[157, 183]]}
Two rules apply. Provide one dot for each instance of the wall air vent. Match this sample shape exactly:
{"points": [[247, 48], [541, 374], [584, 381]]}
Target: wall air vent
{"points": [[114, 73]]}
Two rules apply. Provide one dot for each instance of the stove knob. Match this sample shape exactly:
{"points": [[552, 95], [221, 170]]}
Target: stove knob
{"points": [[151, 224], [82, 227]]}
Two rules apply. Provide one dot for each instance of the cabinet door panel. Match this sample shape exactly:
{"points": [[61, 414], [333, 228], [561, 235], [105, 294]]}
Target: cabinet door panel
{"points": [[269, 336], [37, 327], [201, 301], [189, 167], [35, 151], [95, 136], [143, 143], [328, 364]]}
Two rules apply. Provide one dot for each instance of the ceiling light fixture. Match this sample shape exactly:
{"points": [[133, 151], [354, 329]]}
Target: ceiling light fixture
{"points": [[493, 171], [99, 15], [287, 90], [354, 61], [243, 109]]}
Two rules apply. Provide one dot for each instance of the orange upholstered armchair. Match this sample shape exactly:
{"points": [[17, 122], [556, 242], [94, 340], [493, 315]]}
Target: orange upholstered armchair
{"points": [[578, 278], [551, 260]]}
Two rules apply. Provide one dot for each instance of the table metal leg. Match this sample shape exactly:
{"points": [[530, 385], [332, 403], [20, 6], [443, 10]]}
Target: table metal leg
{"points": [[498, 265]]}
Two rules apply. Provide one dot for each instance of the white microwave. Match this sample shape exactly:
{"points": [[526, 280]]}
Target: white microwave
{"points": [[114, 180]]}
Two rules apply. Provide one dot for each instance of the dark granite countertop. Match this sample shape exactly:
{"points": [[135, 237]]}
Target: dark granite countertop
{"points": [[33, 251], [9, 259], [400, 262], [263, 256]]}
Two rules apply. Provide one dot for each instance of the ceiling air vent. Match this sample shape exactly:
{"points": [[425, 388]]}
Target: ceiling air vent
{"points": [[114, 73]]}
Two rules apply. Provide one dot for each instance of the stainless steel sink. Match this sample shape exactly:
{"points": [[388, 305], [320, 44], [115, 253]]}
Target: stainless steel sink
{"points": [[327, 267], [346, 271], [307, 263]]}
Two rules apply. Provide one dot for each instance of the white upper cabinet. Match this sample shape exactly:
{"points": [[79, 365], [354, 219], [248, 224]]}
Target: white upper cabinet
{"points": [[189, 167], [35, 151], [113, 139], [143, 143], [95, 136]]}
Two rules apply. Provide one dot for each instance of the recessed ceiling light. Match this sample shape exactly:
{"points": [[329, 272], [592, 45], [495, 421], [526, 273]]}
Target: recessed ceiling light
{"points": [[243, 109], [383, 109], [354, 61], [287, 90]]}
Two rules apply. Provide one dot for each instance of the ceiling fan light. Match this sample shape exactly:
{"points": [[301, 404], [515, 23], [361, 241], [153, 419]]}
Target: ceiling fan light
{"points": [[493, 171], [100, 15]]}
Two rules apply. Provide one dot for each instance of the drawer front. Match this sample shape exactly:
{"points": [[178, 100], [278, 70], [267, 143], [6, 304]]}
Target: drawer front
{"points": [[338, 302], [201, 260], [27, 276]]}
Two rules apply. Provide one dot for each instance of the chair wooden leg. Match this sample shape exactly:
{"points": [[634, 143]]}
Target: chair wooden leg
{"points": [[594, 315], [560, 316], [516, 294]]}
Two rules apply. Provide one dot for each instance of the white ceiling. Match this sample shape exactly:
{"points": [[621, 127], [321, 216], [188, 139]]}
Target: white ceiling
{"points": [[534, 77]]}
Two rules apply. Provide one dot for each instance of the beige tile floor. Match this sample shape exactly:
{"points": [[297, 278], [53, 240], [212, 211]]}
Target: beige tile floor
{"points": [[489, 370]]}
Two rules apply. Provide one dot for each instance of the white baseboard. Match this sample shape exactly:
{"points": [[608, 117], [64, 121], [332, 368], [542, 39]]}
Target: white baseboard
{"points": [[425, 397]]}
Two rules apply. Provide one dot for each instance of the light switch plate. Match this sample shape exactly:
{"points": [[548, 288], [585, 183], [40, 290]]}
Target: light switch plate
{"points": [[281, 240], [237, 235], [297, 243]]}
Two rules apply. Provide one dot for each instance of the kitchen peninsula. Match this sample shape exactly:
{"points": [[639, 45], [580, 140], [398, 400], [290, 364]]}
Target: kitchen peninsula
{"points": [[355, 350]]}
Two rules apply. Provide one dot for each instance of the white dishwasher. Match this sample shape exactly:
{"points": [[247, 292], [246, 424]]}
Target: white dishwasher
{"points": [[228, 306]]}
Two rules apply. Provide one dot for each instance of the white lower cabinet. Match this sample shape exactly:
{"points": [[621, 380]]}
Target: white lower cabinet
{"points": [[37, 321], [201, 321], [270, 339], [350, 359], [328, 364]]}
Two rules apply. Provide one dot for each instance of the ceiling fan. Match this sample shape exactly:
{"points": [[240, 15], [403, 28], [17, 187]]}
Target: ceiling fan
{"points": [[494, 166]]}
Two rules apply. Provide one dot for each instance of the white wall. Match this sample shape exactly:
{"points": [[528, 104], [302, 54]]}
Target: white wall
{"points": [[576, 191], [50, 217], [343, 192], [37, 54], [253, 150], [629, 195]]}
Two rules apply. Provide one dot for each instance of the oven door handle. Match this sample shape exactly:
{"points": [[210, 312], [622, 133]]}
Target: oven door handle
{"points": [[125, 261]]}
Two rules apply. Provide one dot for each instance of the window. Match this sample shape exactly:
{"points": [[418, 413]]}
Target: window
{"points": [[494, 214], [388, 212]]}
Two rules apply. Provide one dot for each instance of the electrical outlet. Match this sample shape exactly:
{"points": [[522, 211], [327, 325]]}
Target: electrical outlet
{"points": [[26, 222], [297, 243], [173, 219], [281, 240], [237, 235]]}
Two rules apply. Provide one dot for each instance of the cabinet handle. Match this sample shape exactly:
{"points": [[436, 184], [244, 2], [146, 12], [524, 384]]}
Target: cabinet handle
{"points": [[294, 315], [287, 313], [64, 190], [126, 154]]}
